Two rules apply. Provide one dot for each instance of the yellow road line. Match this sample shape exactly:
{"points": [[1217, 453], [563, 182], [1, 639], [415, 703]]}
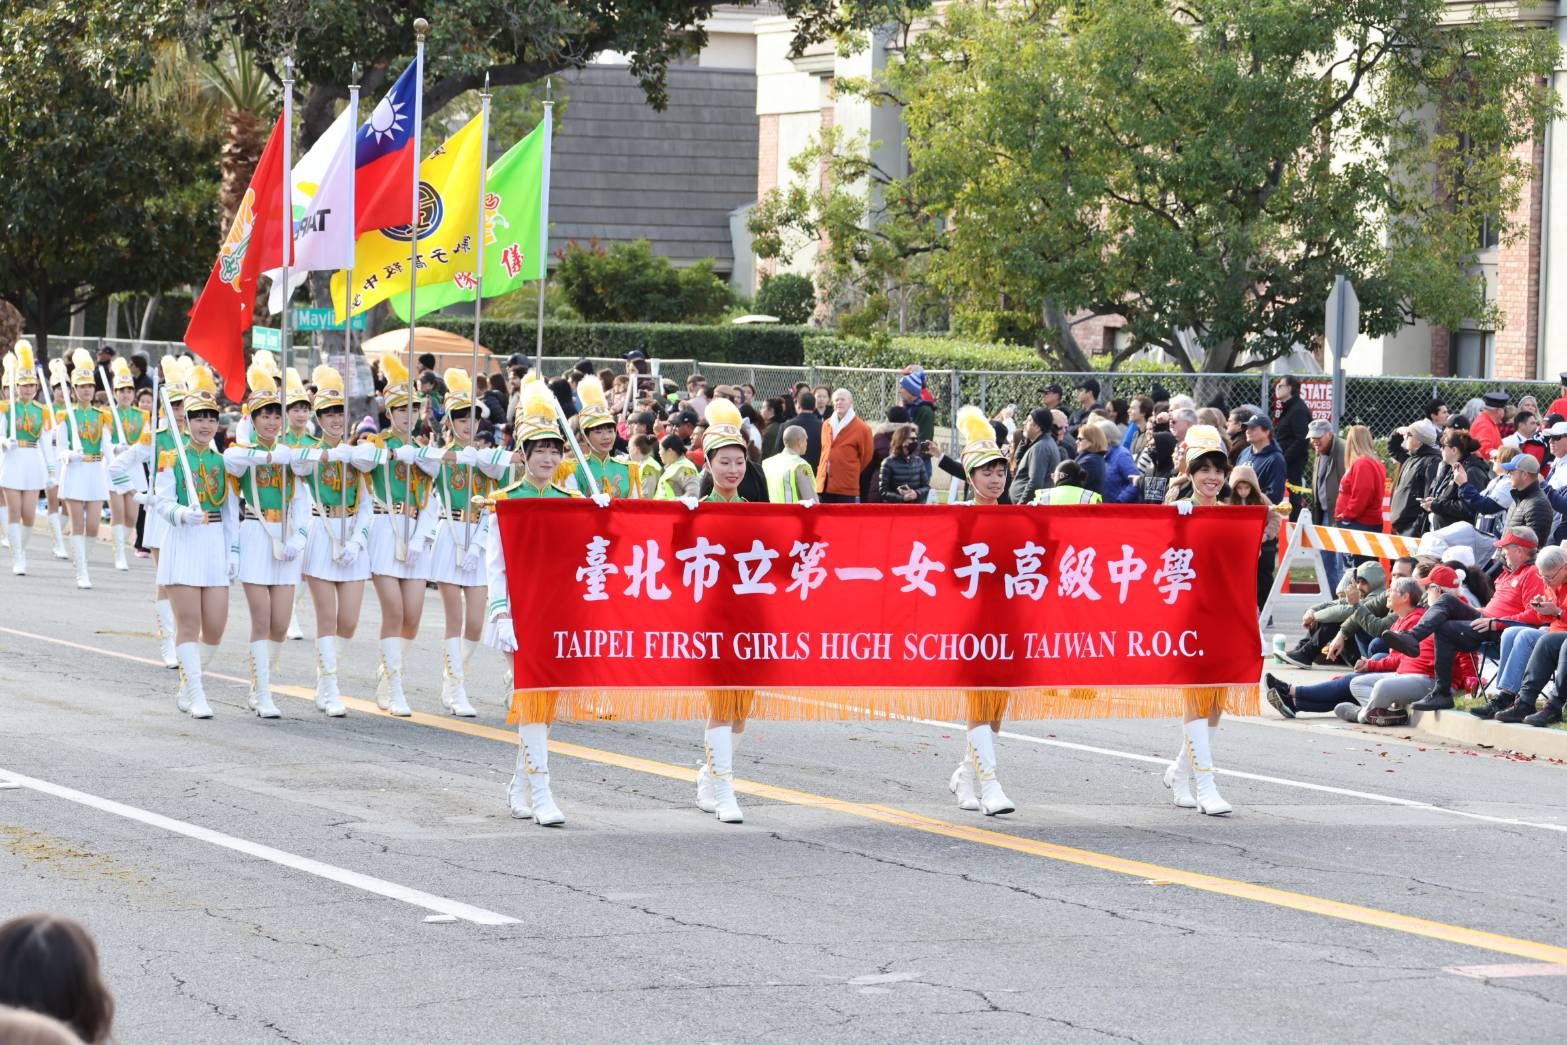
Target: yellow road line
{"points": [[1303, 902]]}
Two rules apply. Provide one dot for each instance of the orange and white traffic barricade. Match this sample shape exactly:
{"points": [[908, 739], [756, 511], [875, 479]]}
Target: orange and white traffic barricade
{"points": [[1304, 544]]}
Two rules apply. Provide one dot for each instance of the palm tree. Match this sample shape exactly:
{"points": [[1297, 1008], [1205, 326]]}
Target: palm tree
{"points": [[245, 92]]}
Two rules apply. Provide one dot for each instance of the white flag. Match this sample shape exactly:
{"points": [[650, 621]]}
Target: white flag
{"points": [[323, 209]]}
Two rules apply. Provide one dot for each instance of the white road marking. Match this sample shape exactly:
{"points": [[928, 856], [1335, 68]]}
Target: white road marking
{"points": [[343, 876], [1507, 972], [1131, 756]]}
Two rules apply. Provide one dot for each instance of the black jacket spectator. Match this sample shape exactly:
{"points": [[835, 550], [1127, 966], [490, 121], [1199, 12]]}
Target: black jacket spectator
{"points": [[1290, 432], [1416, 476], [811, 421], [1531, 508], [1036, 469], [1448, 504], [900, 470], [1093, 463]]}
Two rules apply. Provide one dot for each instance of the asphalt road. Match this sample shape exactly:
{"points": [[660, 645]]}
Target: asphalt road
{"points": [[1366, 888]]}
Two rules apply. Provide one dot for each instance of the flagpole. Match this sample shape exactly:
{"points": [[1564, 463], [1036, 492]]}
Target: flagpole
{"points": [[288, 207], [544, 225], [421, 29], [348, 328], [478, 291]]}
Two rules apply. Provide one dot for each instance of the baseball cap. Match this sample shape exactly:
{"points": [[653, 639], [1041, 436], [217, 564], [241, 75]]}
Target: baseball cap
{"points": [[1557, 430], [1523, 463], [1052, 387], [635, 353], [1444, 575], [1318, 428], [1259, 421], [1521, 536], [685, 417]]}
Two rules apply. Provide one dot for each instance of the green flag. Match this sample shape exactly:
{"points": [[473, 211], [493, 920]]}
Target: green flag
{"points": [[516, 227]]}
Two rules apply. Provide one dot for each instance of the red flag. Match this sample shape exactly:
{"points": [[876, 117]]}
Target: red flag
{"points": [[254, 243]]}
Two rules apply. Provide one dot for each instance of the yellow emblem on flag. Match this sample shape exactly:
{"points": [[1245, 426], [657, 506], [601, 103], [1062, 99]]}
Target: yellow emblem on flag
{"points": [[448, 205]]}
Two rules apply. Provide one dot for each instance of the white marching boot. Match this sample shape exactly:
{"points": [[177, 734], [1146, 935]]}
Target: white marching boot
{"points": [[1204, 787], [79, 556], [534, 737], [961, 784], [294, 630], [719, 742], [982, 755], [1178, 778], [518, 800], [389, 679], [454, 690], [57, 527], [5, 525], [165, 610], [261, 681], [193, 694], [328, 699], [117, 534], [18, 537]]}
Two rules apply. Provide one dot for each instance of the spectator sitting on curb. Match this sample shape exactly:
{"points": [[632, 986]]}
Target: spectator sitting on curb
{"points": [[1322, 621], [1372, 617], [1460, 628], [1377, 691], [1518, 644]]}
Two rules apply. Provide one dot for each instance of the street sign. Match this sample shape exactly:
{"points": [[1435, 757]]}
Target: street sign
{"points": [[307, 320], [1340, 330], [266, 337]]}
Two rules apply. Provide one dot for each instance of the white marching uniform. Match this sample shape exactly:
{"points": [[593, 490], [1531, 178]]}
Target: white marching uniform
{"points": [[323, 547], [264, 532], [461, 541], [198, 555], [27, 467], [83, 477], [419, 529]]}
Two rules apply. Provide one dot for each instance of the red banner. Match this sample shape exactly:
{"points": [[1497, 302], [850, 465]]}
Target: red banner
{"points": [[641, 610]]}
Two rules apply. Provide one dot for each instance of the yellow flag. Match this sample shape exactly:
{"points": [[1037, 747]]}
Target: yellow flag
{"points": [[448, 206]]}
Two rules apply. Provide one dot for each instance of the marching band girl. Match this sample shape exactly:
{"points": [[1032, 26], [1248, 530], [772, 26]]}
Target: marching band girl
{"points": [[539, 437], [297, 412], [27, 465], [171, 429], [274, 513], [200, 552], [614, 474], [336, 563], [457, 562], [974, 781], [129, 429], [401, 531], [84, 482]]}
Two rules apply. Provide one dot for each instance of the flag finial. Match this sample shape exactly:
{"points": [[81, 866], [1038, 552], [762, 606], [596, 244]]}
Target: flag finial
{"points": [[421, 28]]}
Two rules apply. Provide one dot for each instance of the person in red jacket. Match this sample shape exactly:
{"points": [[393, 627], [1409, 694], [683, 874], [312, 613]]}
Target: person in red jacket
{"points": [[1559, 404], [1486, 427], [1379, 689], [1359, 504], [1460, 628]]}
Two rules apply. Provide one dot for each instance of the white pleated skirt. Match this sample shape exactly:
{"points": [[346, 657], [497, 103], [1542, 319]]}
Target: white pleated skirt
{"points": [[257, 564], [85, 481], [383, 550], [446, 560], [24, 469], [194, 555], [155, 531], [318, 555]]}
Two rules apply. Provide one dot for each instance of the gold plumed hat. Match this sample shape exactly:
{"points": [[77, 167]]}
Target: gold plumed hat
{"points": [[979, 439], [201, 391], [1203, 439], [398, 391], [81, 367], [121, 372], [294, 390], [329, 388], [535, 412], [595, 405], [459, 389], [263, 389], [26, 363], [264, 359], [9, 367], [723, 427], [58, 374], [173, 371]]}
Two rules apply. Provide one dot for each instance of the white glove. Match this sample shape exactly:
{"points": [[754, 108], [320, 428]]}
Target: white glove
{"points": [[9, 444], [291, 550], [142, 498], [414, 551], [192, 516], [603, 500], [233, 565], [406, 454], [505, 635], [1183, 507], [347, 554], [470, 561], [282, 454], [468, 455], [342, 453], [808, 504], [689, 502], [74, 456]]}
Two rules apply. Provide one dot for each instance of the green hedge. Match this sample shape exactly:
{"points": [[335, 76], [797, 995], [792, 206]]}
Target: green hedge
{"points": [[932, 353], [760, 345]]}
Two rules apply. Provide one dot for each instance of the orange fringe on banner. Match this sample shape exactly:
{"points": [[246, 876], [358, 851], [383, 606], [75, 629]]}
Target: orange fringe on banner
{"points": [[822, 705]]}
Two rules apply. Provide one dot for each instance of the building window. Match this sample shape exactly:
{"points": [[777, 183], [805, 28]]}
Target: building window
{"points": [[1471, 355]]}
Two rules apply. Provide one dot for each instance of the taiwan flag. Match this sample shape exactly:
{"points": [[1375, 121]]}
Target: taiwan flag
{"points": [[254, 243], [384, 156]]}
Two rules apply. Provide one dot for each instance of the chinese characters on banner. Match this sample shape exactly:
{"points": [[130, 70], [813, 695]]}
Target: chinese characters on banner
{"points": [[654, 596]]}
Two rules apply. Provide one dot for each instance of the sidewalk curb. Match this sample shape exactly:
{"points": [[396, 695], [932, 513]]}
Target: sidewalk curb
{"points": [[1460, 727]]}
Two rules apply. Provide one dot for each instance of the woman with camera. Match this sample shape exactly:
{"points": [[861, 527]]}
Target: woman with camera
{"points": [[905, 474]]}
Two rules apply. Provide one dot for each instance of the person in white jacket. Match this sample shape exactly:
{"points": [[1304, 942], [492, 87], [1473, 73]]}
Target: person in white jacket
{"points": [[274, 526]]}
